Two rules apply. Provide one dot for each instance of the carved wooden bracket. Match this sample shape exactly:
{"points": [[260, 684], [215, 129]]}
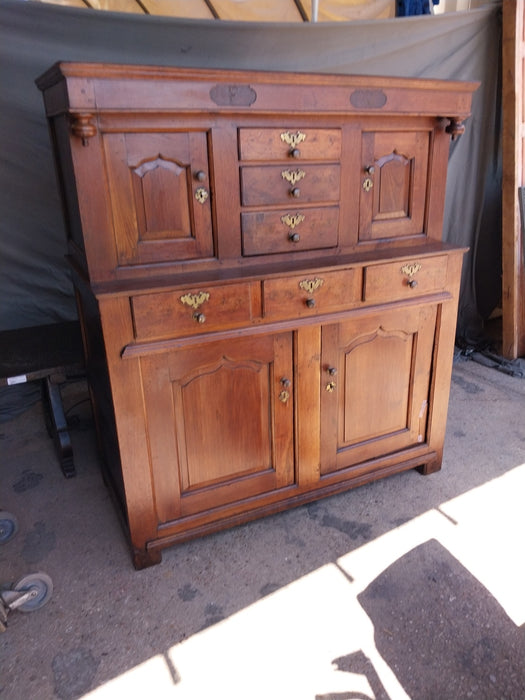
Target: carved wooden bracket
{"points": [[455, 128], [82, 126], [452, 125]]}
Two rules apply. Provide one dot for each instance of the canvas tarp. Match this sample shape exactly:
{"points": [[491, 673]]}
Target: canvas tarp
{"points": [[35, 286]]}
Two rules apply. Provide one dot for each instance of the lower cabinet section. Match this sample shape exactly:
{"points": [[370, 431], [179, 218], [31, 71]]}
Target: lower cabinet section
{"points": [[218, 430]]}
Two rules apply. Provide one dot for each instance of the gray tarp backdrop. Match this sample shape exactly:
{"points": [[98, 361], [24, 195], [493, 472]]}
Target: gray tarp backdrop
{"points": [[34, 279]]}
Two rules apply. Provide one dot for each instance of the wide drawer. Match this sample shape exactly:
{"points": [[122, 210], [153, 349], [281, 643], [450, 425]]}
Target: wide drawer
{"points": [[405, 278], [195, 310], [299, 144], [288, 230], [311, 294], [279, 185]]}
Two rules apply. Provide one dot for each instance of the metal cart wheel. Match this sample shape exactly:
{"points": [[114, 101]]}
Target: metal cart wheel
{"points": [[8, 526], [41, 588]]}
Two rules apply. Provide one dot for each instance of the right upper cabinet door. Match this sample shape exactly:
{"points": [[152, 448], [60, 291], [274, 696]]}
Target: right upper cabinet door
{"points": [[393, 184]]}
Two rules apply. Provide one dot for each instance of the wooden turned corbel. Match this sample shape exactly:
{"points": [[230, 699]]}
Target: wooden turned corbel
{"points": [[82, 126], [455, 128]]}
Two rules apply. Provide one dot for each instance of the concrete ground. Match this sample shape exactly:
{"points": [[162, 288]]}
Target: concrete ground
{"points": [[410, 587]]}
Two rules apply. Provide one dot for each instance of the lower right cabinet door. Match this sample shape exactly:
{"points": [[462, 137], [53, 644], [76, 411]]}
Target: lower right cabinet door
{"points": [[375, 385]]}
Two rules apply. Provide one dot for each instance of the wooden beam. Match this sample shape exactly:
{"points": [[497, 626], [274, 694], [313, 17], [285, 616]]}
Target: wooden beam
{"points": [[513, 289]]}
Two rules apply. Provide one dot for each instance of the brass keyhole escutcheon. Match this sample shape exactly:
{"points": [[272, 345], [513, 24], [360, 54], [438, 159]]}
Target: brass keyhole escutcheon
{"points": [[201, 195], [368, 183], [330, 387], [284, 396]]}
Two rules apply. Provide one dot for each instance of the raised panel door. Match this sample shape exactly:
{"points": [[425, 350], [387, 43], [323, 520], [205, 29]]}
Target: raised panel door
{"points": [[393, 184], [220, 422], [160, 196], [375, 380]]}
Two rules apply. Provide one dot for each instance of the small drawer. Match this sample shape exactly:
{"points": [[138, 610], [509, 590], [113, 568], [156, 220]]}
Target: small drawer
{"points": [[289, 230], [281, 185], [296, 144], [311, 294], [405, 278], [196, 310]]}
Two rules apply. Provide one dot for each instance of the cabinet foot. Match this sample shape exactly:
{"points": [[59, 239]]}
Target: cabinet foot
{"points": [[429, 467], [143, 558]]}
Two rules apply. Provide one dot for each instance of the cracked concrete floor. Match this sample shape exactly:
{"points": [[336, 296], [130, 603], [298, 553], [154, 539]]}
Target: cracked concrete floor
{"points": [[410, 587]]}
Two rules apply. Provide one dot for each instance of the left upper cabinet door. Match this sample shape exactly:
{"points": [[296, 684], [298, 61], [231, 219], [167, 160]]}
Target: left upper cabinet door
{"points": [[160, 196]]}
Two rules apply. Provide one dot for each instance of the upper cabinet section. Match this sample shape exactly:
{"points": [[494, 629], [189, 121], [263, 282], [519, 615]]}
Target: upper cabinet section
{"points": [[177, 170]]}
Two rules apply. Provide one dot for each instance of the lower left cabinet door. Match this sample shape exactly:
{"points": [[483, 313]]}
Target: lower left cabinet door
{"points": [[220, 423]]}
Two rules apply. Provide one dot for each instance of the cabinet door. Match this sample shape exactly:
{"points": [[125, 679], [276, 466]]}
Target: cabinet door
{"points": [[394, 184], [220, 422], [375, 378], [160, 196]]}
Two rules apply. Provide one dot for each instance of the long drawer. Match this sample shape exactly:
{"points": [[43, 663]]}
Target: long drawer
{"points": [[195, 310], [311, 294], [405, 278]]}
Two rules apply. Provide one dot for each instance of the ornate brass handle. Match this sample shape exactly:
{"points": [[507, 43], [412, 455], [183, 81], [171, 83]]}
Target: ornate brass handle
{"points": [[311, 286], [410, 269], [292, 220], [293, 176], [293, 139], [194, 300]]}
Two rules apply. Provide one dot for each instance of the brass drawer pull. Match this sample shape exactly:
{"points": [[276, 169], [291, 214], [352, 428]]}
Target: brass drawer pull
{"points": [[294, 237], [199, 317], [412, 284], [310, 303]]}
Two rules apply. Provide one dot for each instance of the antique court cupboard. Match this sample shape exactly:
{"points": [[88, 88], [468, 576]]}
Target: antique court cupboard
{"points": [[268, 309]]}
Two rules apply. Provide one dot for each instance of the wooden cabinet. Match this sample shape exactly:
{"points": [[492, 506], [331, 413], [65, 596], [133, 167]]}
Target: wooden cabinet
{"points": [[268, 309]]}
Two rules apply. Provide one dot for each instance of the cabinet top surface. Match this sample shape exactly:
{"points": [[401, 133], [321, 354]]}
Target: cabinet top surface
{"points": [[99, 86]]}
